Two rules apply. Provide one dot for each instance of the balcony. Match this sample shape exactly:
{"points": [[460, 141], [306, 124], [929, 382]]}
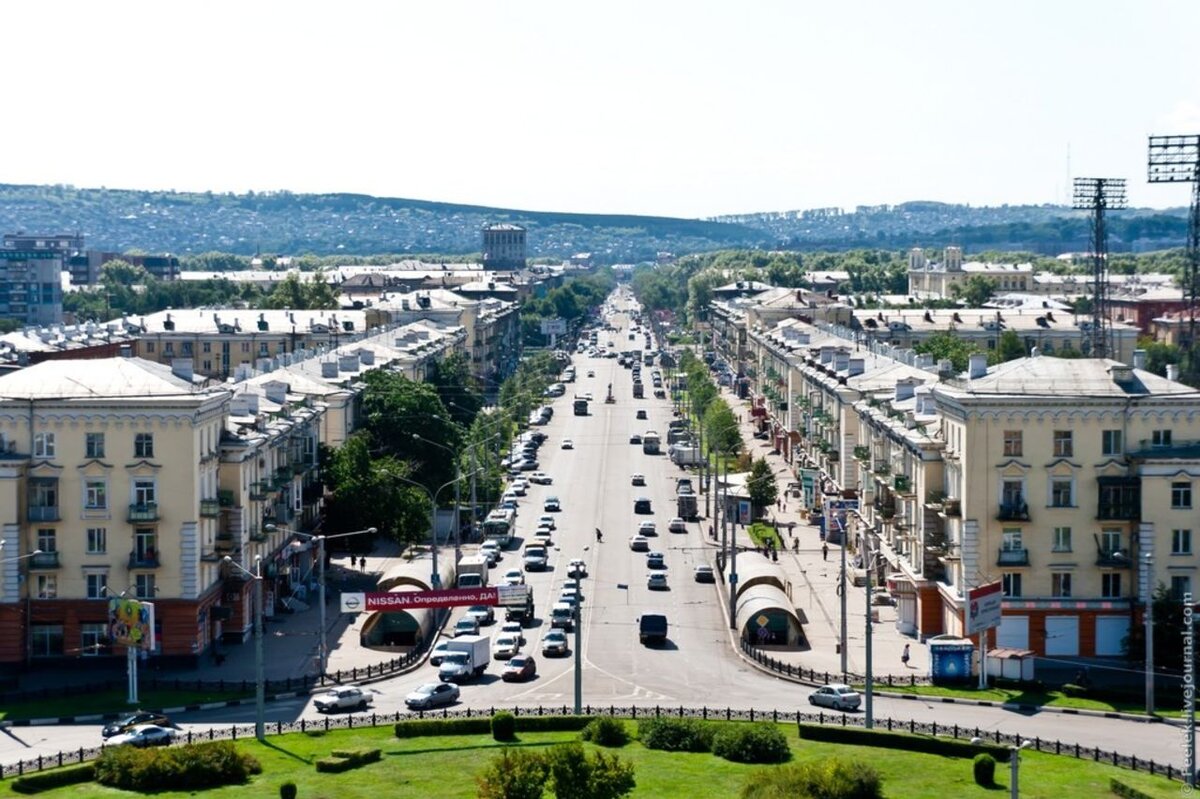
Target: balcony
{"points": [[42, 513], [145, 512], [862, 453], [44, 560], [226, 543], [1112, 558], [1013, 512], [259, 535], [258, 490], [210, 508], [144, 560], [1013, 557], [952, 506], [882, 468], [902, 483], [1119, 511], [211, 556]]}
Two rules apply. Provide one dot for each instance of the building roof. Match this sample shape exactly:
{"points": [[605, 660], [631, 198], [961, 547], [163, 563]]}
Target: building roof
{"points": [[98, 378], [1048, 378], [212, 321]]}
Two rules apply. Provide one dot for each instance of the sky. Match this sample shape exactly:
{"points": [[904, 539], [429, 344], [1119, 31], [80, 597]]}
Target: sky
{"points": [[658, 107]]}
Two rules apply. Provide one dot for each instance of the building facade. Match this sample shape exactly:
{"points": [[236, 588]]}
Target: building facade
{"points": [[504, 247]]}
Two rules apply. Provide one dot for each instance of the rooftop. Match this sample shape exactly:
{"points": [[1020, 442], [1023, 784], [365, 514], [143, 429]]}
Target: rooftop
{"points": [[99, 378]]}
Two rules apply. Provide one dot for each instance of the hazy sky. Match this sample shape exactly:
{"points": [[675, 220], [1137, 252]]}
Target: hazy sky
{"points": [[675, 108]]}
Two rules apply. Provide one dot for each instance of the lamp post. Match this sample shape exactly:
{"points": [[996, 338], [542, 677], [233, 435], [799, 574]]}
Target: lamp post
{"points": [[323, 651], [260, 706], [1014, 764], [435, 579], [457, 490]]}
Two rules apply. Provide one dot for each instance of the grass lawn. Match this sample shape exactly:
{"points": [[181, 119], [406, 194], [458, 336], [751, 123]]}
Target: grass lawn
{"points": [[437, 767], [112, 701], [1032, 696], [762, 533]]}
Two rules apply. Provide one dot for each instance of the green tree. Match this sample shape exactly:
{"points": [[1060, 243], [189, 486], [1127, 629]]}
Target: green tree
{"points": [[123, 273], [288, 293], [368, 492], [457, 388], [576, 774], [721, 428], [318, 296], [975, 290], [396, 410], [943, 346], [515, 774], [1009, 348], [761, 485]]}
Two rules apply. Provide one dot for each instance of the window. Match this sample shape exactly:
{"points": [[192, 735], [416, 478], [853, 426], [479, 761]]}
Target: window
{"points": [[47, 540], [1181, 586], [97, 585], [1013, 443], [1110, 585], [97, 540], [95, 495], [206, 366], [145, 544], [94, 445], [47, 586], [1110, 541], [245, 346], [1111, 442], [149, 346], [1060, 584], [143, 445], [144, 492], [93, 639], [1181, 542], [206, 346], [144, 586], [1012, 539], [1010, 584], [46, 640], [186, 349], [1181, 495], [43, 445], [1012, 494], [1062, 539], [1064, 443], [1160, 438], [1060, 493], [262, 349], [168, 348], [43, 493]]}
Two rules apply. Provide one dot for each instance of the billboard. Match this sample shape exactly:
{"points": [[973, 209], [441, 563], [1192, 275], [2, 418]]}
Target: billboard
{"points": [[505, 595], [837, 521], [556, 326], [983, 608], [131, 622]]}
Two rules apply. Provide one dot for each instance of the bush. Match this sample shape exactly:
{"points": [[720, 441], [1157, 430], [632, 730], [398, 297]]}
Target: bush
{"points": [[504, 726], [46, 780], [896, 740], [676, 735], [340, 760], [576, 775], [761, 742], [185, 768], [552, 723], [832, 778], [1118, 788], [287, 790], [985, 770], [606, 731], [419, 728], [515, 774]]}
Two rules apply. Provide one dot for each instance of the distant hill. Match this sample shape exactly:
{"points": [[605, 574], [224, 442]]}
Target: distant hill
{"points": [[188, 223]]}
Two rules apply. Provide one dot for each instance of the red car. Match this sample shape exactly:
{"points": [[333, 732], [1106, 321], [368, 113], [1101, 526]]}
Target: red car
{"points": [[519, 669]]}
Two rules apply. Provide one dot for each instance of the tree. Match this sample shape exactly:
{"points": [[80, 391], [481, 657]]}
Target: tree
{"points": [[122, 273], [515, 774], [367, 492], [761, 485], [576, 774], [975, 290], [395, 409], [721, 428], [1009, 348], [456, 387], [318, 296], [947, 346]]}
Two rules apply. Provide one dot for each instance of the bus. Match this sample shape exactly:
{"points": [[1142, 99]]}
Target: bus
{"points": [[650, 442], [499, 525]]}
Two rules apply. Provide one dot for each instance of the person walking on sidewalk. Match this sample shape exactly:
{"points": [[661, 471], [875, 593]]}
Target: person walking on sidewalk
{"points": [[904, 656], [824, 551]]}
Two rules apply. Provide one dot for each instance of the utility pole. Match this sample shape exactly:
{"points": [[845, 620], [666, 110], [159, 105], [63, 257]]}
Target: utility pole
{"points": [[474, 505], [578, 649], [869, 722], [841, 590], [733, 578]]}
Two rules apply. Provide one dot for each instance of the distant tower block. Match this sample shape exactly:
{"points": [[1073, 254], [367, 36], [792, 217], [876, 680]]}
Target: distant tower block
{"points": [[503, 247], [916, 258], [953, 259]]}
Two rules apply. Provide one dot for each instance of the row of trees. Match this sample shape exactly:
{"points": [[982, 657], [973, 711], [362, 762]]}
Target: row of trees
{"points": [[572, 301], [714, 418]]}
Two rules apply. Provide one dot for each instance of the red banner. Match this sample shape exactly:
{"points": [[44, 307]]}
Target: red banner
{"points": [[449, 598]]}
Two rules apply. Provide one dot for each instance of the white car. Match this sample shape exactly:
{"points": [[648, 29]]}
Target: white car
{"points": [[344, 697], [647, 528], [513, 628], [505, 646], [837, 696], [638, 480], [482, 614], [143, 735], [677, 525], [513, 577], [577, 568], [467, 625], [543, 534], [491, 551], [540, 478], [547, 520], [656, 581], [570, 594], [568, 444], [639, 544], [555, 643]]}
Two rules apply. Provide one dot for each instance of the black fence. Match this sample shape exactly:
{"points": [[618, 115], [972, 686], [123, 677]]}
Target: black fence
{"points": [[352, 721], [822, 677]]}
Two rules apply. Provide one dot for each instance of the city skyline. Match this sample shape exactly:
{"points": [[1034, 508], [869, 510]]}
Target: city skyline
{"points": [[670, 110]]}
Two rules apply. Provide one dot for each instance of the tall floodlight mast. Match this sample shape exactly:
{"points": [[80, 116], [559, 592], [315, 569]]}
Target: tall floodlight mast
{"points": [[1176, 159], [1100, 195]]}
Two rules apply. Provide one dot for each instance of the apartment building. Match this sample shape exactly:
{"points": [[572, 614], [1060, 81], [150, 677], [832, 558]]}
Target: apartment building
{"points": [[503, 246], [942, 279], [31, 286]]}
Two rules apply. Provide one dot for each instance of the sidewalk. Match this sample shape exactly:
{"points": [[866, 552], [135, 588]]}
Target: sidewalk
{"points": [[814, 582]]}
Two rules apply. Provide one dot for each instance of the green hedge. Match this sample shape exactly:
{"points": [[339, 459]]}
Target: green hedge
{"points": [[183, 768], [48, 780], [1126, 791], [340, 760], [896, 740], [676, 735], [419, 728], [761, 742]]}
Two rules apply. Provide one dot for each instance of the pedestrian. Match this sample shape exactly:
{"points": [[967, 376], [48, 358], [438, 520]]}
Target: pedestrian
{"points": [[904, 656], [796, 545], [362, 563], [824, 551]]}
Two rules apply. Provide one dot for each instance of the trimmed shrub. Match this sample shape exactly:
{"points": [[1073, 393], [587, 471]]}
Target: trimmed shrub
{"points": [[574, 774], [985, 770], [831, 778], [606, 731], [898, 740], [180, 768], [760, 742], [419, 728], [676, 735], [504, 726], [1125, 791], [287, 790], [47, 780], [552, 723], [515, 774], [340, 760]]}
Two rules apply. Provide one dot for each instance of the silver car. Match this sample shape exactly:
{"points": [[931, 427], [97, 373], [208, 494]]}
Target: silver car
{"points": [[432, 694], [837, 696]]}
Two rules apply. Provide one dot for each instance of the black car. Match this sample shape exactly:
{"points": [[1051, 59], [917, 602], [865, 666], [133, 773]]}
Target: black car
{"points": [[126, 722]]}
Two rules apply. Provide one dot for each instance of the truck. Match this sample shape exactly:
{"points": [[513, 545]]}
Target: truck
{"points": [[581, 406], [685, 456], [522, 613], [639, 390], [652, 628], [472, 571], [686, 507], [677, 435], [534, 557], [651, 442], [465, 658]]}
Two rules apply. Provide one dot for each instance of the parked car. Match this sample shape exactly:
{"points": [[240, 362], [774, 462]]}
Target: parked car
{"points": [[343, 697], [837, 696], [677, 525], [639, 544], [705, 574], [656, 581], [483, 614], [638, 480], [555, 643], [432, 694], [143, 735], [466, 626], [517, 489], [551, 504], [130, 720], [519, 669]]}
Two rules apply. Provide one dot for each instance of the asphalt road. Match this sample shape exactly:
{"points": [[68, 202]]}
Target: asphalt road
{"points": [[698, 665]]}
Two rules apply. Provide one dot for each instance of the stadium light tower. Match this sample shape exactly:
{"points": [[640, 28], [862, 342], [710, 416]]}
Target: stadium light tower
{"points": [[1176, 159], [1099, 195]]}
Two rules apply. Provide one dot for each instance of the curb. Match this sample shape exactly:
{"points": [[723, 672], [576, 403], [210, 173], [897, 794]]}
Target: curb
{"points": [[1023, 708]]}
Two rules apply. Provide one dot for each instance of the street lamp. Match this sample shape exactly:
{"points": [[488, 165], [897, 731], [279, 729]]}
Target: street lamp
{"points": [[323, 652], [1014, 764], [457, 490], [260, 707], [435, 579]]}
